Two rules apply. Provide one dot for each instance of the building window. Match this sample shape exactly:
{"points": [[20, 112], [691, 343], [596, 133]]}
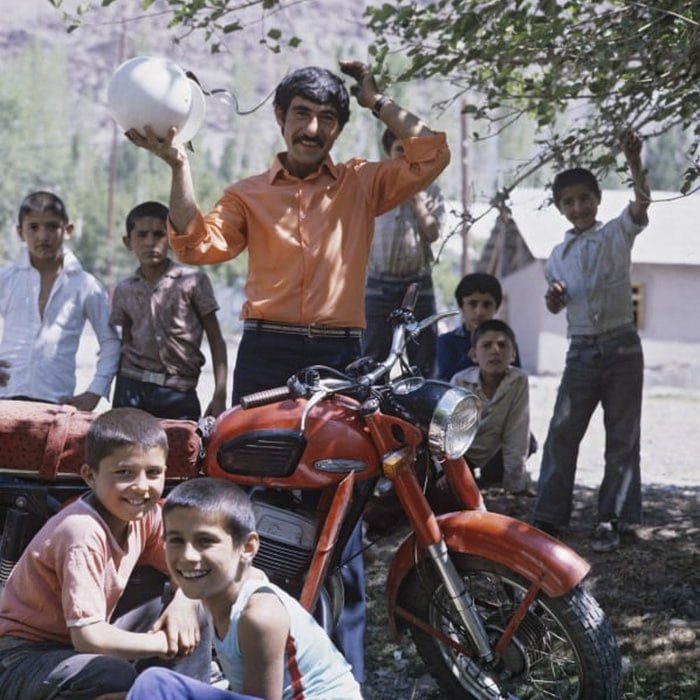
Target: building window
{"points": [[638, 304]]}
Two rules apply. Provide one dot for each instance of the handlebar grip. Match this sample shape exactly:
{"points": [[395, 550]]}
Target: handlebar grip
{"points": [[261, 398]]}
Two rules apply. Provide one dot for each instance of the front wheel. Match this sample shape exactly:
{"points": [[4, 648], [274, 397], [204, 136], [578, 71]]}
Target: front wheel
{"points": [[563, 648]]}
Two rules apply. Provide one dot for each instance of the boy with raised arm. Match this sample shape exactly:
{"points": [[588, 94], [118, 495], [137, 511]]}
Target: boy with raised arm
{"points": [[589, 275]]}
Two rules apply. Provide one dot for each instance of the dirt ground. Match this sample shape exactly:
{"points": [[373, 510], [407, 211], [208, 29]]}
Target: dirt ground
{"points": [[649, 588]]}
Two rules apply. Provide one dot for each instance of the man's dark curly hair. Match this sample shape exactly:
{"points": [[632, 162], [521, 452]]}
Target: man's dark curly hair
{"points": [[318, 85]]}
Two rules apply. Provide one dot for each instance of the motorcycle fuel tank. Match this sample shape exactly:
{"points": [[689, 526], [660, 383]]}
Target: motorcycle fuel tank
{"points": [[274, 445]]}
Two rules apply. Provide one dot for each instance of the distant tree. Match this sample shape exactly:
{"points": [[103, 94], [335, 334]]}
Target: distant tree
{"points": [[581, 72], [607, 66], [34, 123], [215, 18]]}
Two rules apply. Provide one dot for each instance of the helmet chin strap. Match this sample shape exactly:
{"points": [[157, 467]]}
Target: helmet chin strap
{"points": [[227, 96]]}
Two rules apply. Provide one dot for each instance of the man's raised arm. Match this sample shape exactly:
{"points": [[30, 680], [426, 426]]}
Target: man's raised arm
{"points": [[183, 203], [400, 121]]}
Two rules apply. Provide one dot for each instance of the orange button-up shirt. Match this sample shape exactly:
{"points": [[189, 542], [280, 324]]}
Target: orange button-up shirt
{"points": [[309, 240]]}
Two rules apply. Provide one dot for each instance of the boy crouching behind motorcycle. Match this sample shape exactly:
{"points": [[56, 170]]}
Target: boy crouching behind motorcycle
{"points": [[61, 633], [268, 645], [503, 390]]}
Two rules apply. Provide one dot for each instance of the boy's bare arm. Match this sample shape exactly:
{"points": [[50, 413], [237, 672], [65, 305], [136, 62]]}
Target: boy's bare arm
{"points": [[217, 345], [87, 401], [97, 311], [262, 636], [180, 622], [632, 148], [176, 633], [103, 638]]}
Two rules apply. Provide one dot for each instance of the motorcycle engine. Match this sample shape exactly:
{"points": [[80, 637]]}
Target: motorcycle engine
{"points": [[288, 532]]}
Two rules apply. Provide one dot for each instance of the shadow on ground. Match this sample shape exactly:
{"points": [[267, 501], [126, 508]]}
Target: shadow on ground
{"points": [[649, 588]]}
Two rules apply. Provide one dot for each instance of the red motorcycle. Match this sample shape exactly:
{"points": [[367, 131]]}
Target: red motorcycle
{"points": [[496, 608]]}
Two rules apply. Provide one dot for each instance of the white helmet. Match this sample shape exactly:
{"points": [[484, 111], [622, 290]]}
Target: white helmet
{"points": [[155, 92]]}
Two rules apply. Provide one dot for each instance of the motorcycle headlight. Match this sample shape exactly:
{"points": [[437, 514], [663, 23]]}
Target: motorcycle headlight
{"points": [[449, 414]]}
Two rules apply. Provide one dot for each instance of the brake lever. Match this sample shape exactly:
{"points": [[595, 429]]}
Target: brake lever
{"points": [[414, 329]]}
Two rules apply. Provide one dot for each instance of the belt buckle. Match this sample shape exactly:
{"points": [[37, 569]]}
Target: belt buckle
{"points": [[154, 378]]}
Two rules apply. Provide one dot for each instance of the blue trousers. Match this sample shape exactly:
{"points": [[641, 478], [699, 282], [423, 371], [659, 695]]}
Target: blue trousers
{"points": [[164, 684], [43, 670], [381, 298], [266, 360], [607, 371], [159, 401]]}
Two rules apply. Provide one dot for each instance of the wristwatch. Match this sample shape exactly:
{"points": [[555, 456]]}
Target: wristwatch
{"points": [[380, 104]]}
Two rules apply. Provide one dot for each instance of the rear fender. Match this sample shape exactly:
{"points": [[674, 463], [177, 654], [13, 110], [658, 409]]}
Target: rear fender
{"points": [[522, 548]]}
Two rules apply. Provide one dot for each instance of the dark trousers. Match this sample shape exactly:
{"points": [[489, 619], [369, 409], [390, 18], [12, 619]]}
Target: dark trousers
{"points": [[610, 372], [159, 401], [381, 298], [266, 360], [51, 670]]}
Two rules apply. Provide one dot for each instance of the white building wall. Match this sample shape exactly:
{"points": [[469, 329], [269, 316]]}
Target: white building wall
{"points": [[528, 316], [670, 332]]}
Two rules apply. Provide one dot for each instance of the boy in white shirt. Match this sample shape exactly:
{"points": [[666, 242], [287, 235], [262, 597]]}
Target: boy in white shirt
{"points": [[45, 299]]}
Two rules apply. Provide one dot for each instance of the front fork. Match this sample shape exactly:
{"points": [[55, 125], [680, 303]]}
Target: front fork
{"points": [[397, 463], [430, 538]]}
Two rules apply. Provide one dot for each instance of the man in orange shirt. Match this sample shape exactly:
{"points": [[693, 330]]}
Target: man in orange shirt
{"points": [[307, 223]]}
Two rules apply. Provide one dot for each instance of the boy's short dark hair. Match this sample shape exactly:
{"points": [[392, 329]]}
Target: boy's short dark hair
{"points": [[318, 85], [492, 324], [120, 427], [574, 176], [41, 202], [218, 498], [388, 138], [480, 282], [152, 210]]}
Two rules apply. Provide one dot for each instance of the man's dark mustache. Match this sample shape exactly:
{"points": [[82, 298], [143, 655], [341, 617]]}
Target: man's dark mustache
{"points": [[304, 139]]}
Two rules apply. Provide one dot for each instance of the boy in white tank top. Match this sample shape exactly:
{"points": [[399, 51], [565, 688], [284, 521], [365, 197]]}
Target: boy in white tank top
{"points": [[268, 645]]}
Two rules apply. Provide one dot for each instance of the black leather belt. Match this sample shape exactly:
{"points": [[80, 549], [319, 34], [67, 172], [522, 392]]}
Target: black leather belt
{"points": [[300, 329]]}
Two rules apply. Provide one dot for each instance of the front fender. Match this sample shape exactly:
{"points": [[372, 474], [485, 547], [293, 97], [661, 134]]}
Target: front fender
{"points": [[521, 547]]}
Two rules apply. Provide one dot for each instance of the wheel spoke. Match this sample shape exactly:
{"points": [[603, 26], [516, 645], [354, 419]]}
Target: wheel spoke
{"points": [[548, 648]]}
